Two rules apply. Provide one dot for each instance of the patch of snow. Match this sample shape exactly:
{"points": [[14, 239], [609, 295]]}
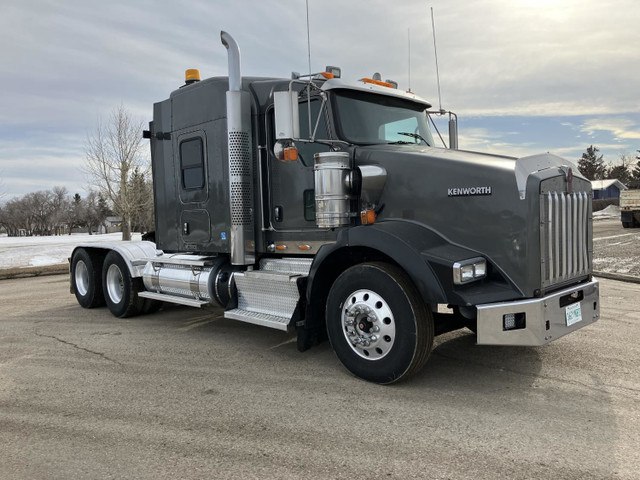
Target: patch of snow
{"points": [[610, 211], [42, 260], [20, 252]]}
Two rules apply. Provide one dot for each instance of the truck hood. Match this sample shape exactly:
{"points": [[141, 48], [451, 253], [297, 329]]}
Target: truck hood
{"points": [[488, 204]]}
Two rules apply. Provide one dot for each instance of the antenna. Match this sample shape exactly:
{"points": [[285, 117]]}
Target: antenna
{"points": [[309, 53], [435, 50], [309, 38], [409, 40]]}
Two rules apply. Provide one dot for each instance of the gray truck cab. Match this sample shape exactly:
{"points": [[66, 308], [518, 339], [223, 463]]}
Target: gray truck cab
{"points": [[325, 207]]}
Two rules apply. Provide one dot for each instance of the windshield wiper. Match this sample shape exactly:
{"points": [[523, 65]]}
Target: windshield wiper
{"points": [[400, 142], [417, 136]]}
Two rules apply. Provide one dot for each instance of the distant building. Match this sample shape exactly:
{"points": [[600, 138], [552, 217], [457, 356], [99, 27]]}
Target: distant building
{"points": [[111, 225], [603, 189]]}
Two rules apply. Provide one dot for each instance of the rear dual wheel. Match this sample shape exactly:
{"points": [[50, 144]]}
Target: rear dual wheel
{"points": [[119, 288], [86, 279], [378, 324]]}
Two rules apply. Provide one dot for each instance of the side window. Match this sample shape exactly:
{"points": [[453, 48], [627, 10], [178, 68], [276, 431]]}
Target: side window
{"points": [[192, 164], [306, 151]]}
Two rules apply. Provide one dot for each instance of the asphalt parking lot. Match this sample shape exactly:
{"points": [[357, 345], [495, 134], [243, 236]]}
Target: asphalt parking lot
{"points": [[187, 394], [616, 249]]}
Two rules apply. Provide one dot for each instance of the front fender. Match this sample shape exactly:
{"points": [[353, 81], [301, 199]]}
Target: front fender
{"points": [[404, 243], [424, 254]]}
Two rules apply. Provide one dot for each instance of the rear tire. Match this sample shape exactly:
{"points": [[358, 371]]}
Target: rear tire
{"points": [[377, 323], [120, 290], [86, 279]]}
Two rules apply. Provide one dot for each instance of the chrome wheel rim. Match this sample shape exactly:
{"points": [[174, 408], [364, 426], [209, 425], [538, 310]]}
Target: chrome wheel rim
{"points": [[115, 283], [82, 278], [368, 324]]}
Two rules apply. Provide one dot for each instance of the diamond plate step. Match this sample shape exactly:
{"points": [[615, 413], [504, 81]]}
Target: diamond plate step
{"points": [[263, 319], [266, 297]]}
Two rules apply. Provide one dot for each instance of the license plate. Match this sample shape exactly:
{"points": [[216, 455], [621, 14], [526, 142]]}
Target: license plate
{"points": [[573, 314]]}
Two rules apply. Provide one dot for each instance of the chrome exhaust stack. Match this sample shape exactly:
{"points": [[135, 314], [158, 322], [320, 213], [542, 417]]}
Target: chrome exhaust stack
{"points": [[242, 234]]}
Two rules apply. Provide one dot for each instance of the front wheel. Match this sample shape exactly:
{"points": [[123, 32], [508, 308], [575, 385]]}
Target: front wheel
{"points": [[378, 324], [120, 290]]}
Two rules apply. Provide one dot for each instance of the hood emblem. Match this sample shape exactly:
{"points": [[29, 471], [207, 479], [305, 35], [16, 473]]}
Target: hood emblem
{"points": [[468, 191]]}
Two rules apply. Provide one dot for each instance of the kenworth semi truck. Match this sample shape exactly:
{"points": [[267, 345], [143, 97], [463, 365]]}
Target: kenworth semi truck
{"points": [[321, 206]]}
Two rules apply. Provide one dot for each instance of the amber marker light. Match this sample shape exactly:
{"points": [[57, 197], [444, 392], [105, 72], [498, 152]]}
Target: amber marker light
{"points": [[290, 154], [191, 75], [281, 247], [377, 82], [368, 217], [327, 75], [304, 247]]}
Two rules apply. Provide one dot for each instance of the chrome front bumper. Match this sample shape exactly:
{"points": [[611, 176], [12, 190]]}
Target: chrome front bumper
{"points": [[546, 317]]}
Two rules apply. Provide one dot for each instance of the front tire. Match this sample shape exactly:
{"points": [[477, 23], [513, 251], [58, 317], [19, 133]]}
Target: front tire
{"points": [[378, 324], [120, 290]]}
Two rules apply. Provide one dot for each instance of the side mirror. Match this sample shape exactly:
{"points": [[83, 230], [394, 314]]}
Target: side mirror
{"points": [[287, 115]]}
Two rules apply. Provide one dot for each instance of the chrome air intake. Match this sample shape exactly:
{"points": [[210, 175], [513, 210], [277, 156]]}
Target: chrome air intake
{"points": [[332, 188]]}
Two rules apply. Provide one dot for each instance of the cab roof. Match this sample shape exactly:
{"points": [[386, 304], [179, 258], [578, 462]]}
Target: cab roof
{"points": [[362, 86]]}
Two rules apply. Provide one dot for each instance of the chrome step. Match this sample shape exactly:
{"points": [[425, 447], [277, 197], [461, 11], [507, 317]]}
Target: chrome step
{"points": [[263, 319], [163, 297], [294, 266], [266, 297]]}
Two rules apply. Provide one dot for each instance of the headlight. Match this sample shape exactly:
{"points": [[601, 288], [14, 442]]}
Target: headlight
{"points": [[470, 270]]}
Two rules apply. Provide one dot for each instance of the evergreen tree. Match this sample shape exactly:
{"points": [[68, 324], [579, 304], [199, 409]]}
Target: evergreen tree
{"points": [[634, 182], [620, 171], [142, 198], [591, 165]]}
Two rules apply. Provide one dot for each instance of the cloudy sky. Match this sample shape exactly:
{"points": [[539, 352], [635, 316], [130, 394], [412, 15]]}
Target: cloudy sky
{"points": [[524, 76]]}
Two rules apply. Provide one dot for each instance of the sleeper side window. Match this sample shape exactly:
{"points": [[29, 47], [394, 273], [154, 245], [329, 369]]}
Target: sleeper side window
{"points": [[192, 164], [307, 150]]}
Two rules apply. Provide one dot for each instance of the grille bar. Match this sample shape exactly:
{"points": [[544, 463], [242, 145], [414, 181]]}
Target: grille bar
{"points": [[564, 236]]}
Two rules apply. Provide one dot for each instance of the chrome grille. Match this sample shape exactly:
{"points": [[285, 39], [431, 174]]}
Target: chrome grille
{"points": [[565, 236]]}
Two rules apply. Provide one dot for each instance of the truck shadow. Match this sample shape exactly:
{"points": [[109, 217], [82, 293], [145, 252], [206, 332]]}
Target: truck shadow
{"points": [[478, 363]]}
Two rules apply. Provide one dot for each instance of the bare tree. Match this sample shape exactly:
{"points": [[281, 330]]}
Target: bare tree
{"points": [[113, 153]]}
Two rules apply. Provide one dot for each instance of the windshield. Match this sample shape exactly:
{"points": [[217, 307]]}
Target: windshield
{"points": [[368, 119]]}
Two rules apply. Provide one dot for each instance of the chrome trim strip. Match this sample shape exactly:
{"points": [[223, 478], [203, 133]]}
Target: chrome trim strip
{"points": [[549, 246]]}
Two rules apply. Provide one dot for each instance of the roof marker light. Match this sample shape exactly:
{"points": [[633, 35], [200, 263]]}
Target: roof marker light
{"points": [[191, 75], [376, 82]]}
